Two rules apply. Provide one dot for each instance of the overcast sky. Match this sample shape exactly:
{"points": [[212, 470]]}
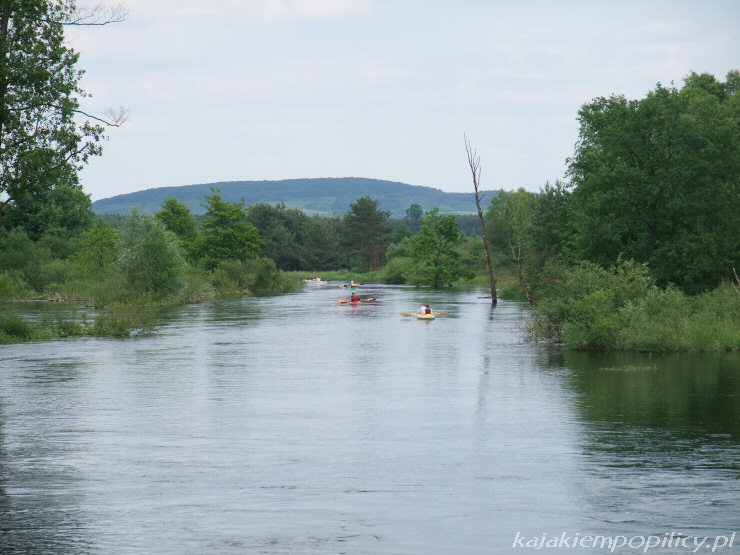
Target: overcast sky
{"points": [[227, 90]]}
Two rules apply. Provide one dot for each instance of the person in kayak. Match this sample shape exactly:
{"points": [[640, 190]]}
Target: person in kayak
{"points": [[354, 298], [425, 309]]}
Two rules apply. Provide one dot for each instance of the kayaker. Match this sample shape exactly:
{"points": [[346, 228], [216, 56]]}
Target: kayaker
{"points": [[425, 309], [354, 298]]}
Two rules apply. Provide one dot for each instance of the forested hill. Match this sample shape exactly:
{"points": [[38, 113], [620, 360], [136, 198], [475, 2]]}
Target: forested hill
{"points": [[325, 196]]}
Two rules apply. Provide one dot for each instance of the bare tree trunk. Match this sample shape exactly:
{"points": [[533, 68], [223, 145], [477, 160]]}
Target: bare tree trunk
{"points": [[474, 161]]}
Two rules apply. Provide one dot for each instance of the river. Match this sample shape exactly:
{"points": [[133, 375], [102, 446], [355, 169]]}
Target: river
{"points": [[295, 424]]}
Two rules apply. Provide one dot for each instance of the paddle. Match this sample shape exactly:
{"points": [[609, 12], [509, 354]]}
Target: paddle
{"points": [[436, 313]]}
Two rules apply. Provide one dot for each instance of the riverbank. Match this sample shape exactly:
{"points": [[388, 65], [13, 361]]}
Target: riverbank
{"points": [[102, 305]]}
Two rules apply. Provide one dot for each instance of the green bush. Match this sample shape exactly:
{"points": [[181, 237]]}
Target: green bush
{"points": [[509, 289], [14, 328], [669, 320], [13, 285], [230, 279], [54, 275], [199, 286], [257, 276], [151, 258], [18, 252], [581, 304], [395, 270]]}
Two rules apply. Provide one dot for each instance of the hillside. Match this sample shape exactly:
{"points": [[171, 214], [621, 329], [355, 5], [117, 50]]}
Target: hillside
{"points": [[325, 196]]}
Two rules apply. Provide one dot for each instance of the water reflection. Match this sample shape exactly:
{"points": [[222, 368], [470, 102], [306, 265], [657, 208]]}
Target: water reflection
{"points": [[687, 395], [662, 440]]}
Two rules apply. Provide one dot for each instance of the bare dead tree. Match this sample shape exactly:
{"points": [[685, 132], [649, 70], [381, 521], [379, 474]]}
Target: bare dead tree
{"points": [[474, 162], [736, 283]]}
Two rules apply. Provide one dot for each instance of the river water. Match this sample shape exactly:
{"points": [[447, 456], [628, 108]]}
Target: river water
{"points": [[295, 424]]}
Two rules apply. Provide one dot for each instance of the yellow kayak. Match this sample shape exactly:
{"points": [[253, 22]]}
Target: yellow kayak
{"points": [[425, 316]]}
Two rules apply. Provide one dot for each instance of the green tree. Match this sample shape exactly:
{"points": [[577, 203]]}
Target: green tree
{"points": [[436, 255], [511, 221], [553, 223], [151, 258], [227, 235], [657, 180], [98, 247], [414, 213], [281, 232], [367, 234], [45, 138], [400, 232], [64, 210], [178, 219], [322, 245]]}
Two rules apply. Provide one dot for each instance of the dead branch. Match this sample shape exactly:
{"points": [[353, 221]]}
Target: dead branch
{"points": [[97, 15], [113, 118]]}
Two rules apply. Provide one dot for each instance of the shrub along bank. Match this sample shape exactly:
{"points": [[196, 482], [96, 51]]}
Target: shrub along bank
{"points": [[589, 308]]}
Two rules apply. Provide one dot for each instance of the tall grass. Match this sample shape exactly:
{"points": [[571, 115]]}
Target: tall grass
{"points": [[668, 320]]}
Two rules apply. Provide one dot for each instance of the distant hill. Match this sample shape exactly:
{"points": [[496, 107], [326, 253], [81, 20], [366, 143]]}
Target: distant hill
{"points": [[325, 196]]}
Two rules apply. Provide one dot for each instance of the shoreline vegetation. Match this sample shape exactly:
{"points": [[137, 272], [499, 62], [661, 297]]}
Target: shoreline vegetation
{"points": [[635, 252], [117, 275], [107, 309], [588, 309]]}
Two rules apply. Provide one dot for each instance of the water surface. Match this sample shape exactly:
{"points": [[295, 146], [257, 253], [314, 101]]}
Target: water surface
{"points": [[294, 424]]}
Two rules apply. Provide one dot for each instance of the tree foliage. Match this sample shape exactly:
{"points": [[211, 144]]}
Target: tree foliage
{"points": [[151, 258], [436, 255], [45, 138], [64, 210], [178, 219], [511, 225], [414, 213], [98, 247], [657, 180], [367, 234], [282, 233], [226, 235], [323, 246]]}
